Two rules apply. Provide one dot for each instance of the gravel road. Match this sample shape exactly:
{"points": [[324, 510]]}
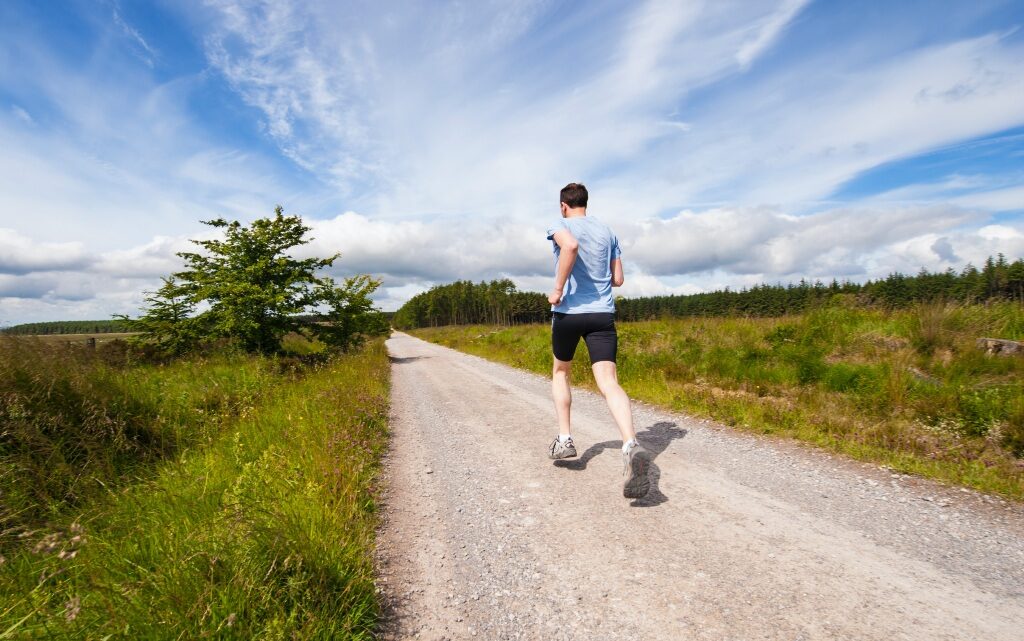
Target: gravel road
{"points": [[741, 537]]}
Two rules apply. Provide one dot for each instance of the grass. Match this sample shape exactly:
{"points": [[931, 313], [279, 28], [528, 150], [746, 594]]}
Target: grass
{"points": [[907, 389], [230, 497]]}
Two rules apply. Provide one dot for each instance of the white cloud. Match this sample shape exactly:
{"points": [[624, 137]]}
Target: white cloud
{"points": [[149, 261], [141, 48], [435, 117], [21, 255], [22, 115], [768, 31], [437, 250], [1006, 199]]}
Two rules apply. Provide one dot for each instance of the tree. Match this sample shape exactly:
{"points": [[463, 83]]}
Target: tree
{"points": [[255, 292], [351, 314], [168, 321]]}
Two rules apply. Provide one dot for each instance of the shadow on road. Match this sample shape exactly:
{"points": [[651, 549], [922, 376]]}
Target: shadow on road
{"points": [[401, 360], [655, 440]]}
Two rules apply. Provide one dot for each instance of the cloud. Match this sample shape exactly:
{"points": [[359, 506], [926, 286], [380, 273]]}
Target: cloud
{"points": [[22, 115], [768, 31], [944, 250], [152, 260], [1006, 199], [425, 111], [416, 113], [304, 81], [21, 255], [436, 250], [768, 241], [62, 287], [140, 47]]}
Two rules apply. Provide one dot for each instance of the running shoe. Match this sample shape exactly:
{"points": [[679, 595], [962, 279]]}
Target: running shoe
{"points": [[559, 449], [635, 463]]}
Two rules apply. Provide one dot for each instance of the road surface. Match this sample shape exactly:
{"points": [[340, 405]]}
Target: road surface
{"points": [[741, 537]]}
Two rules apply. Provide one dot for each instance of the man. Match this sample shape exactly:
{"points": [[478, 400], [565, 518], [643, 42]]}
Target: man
{"points": [[588, 264]]}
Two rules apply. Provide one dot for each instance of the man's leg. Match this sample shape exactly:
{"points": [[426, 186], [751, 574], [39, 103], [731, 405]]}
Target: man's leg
{"points": [[562, 394], [564, 338], [635, 458], [607, 377]]}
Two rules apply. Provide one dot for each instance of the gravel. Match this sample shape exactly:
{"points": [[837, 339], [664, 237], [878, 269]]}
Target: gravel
{"points": [[741, 537]]}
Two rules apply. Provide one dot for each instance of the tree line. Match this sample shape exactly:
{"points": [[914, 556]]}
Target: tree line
{"points": [[500, 303], [465, 303], [997, 279], [67, 327]]}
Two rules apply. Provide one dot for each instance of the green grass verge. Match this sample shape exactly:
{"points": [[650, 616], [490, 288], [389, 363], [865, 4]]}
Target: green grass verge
{"points": [[908, 389], [260, 528]]}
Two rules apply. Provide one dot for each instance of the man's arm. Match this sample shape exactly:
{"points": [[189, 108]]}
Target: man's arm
{"points": [[568, 249], [617, 276]]}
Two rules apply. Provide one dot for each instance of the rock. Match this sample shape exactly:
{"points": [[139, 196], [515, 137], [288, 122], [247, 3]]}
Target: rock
{"points": [[1001, 346], [924, 378]]}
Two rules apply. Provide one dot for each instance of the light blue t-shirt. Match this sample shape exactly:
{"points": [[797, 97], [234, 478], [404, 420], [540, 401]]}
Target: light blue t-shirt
{"points": [[590, 283]]}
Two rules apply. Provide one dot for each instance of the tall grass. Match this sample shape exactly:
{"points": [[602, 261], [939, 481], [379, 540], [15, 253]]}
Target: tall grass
{"points": [[906, 388], [76, 425], [256, 522]]}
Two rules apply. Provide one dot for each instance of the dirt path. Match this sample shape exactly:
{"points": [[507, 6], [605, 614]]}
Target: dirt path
{"points": [[740, 538]]}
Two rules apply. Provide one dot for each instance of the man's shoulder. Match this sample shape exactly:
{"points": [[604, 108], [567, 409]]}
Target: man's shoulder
{"points": [[597, 225]]}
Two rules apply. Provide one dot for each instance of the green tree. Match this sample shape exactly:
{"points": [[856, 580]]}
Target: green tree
{"points": [[350, 314], [255, 292], [168, 322]]}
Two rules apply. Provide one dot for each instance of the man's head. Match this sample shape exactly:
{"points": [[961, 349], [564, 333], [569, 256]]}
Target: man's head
{"points": [[573, 196]]}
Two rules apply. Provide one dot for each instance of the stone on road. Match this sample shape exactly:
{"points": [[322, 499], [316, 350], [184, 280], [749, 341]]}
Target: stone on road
{"points": [[741, 537]]}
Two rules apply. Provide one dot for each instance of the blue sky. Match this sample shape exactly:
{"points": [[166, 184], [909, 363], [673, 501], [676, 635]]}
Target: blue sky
{"points": [[726, 143]]}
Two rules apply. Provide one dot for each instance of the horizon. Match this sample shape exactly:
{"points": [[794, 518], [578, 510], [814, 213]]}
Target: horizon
{"points": [[727, 146], [815, 283]]}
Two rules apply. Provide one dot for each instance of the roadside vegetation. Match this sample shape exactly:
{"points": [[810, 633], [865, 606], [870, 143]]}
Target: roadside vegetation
{"points": [[220, 496], [908, 388], [211, 477]]}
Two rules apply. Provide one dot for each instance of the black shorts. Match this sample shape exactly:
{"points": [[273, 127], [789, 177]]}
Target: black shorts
{"points": [[596, 328]]}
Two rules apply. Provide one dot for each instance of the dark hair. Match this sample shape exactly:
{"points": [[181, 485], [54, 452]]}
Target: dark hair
{"points": [[575, 195]]}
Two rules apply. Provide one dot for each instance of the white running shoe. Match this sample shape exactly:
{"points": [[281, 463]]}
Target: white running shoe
{"points": [[635, 463], [561, 449]]}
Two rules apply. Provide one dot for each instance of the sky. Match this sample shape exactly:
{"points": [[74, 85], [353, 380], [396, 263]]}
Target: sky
{"points": [[726, 143]]}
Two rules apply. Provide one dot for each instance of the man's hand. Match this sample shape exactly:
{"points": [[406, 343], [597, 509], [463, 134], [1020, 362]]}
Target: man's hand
{"points": [[555, 297]]}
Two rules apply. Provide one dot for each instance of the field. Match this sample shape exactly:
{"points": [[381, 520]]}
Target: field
{"points": [[908, 389], [60, 339], [223, 496]]}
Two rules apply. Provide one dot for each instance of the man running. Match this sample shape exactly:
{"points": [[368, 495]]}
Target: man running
{"points": [[588, 264]]}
